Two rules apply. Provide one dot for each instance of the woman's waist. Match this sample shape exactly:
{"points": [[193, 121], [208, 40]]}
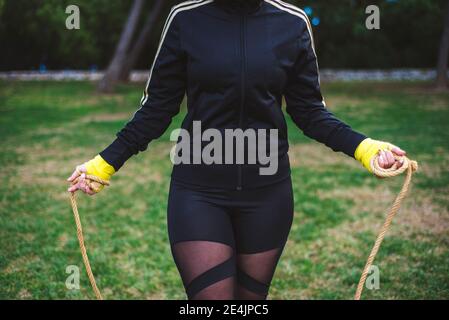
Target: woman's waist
{"points": [[239, 175]]}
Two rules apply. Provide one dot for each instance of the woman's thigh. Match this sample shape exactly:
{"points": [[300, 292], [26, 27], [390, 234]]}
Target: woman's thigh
{"points": [[196, 213], [263, 217], [261, 225], [202, 241]]}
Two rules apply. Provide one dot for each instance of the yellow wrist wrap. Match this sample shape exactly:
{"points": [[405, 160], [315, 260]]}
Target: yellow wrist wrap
{"points": [[368, 148], [100, 168]]}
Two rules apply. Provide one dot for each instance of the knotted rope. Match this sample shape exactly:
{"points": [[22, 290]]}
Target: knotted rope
{"points": [[408, 165], [79, 229]]}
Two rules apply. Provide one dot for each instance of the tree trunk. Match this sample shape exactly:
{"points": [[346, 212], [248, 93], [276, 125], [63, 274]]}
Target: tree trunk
{"points": [[443, 55], [111, 76], [142, 40]]}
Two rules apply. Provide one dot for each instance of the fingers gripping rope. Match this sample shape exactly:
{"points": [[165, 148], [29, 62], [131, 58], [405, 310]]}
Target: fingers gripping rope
{"points": [[408, 165], [92, 182]]}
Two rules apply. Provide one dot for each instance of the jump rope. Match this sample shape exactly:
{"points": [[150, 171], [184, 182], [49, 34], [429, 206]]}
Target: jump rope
{"points": [[409, 166]]}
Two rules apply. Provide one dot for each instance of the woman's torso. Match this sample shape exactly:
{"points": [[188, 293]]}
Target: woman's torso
{"points": [[238, 61]]}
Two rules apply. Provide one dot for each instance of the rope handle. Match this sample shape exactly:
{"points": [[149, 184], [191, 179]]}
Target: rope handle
{"points": [[393, 171], [408, 165]]}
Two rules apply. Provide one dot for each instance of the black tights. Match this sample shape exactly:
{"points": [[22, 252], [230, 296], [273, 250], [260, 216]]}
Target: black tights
{"points": [[226, 244], [213, 271]]}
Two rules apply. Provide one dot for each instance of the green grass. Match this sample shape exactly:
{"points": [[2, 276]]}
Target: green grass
{"points": [[47, 128]]}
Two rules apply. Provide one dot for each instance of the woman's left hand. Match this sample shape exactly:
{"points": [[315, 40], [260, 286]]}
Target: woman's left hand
{"points": [[387, 159], [369, 148]]}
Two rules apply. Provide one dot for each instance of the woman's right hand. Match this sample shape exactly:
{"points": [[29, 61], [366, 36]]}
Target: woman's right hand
{"points": [[81, 183], [97, 167]]}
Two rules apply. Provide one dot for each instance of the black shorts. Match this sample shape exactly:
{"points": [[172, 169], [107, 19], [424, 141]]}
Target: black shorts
{"points": [[250, 221]]}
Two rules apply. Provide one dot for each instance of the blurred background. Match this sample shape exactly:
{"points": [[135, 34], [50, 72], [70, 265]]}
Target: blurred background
{"points": [[33, 34], [65, 93]]}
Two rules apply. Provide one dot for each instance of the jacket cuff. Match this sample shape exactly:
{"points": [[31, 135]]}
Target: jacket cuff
{"points": [[353, 142], [116, 154]]}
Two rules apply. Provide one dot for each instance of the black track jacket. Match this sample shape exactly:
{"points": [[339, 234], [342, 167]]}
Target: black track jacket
{"points": [[235, 61]]}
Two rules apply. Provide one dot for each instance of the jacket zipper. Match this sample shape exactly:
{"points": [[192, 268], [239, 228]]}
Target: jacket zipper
{"points": [[242, 93]]}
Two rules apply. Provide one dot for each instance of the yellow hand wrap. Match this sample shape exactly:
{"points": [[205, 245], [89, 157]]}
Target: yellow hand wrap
{"points": [[100, 168], [368, 148]]}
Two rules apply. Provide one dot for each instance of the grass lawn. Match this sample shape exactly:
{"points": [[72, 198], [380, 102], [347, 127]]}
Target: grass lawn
{"points": [[47, 128]]}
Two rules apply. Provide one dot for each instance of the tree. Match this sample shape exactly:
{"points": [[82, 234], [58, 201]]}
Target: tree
{"points": [[142, 39], [443, 54], [112, 75]]}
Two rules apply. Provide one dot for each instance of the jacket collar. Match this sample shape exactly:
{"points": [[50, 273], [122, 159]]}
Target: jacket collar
{"points": [[239, 6]]}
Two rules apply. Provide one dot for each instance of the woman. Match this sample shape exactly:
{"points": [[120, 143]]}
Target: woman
{"points": [[227, 222]]}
